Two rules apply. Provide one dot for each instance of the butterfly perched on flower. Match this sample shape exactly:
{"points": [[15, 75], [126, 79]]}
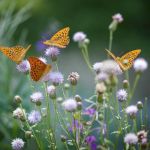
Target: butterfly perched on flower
{"points": [[126, 61], [15, 53], [59, 39], [38, 68]]}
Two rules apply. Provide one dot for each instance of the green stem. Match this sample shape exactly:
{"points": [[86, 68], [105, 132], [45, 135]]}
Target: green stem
{"points": [[110, 41]]}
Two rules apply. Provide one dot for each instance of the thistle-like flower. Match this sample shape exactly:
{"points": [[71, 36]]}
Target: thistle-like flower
{"points": [[79, 37], [37, 98], [17, 144], [102, 77], [34, 117], [130, 138], [18, 113], [117, 17], [70, 105], [122, 95], [51, 90], [97, 66], [23, 67], [73, 78], [131, 111]]}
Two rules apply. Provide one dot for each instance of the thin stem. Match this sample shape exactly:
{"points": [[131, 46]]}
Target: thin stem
{"points": [[110, 41]]}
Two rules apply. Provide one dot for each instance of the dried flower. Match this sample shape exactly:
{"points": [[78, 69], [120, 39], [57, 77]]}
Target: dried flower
{"points": [[117, 17], [34, 117], [70, 105], [73, 78], [140, 65], [122, 95], [52, 52], [90, 111], [23, 67], [17, 144], [130, 138], [131, 111], [142, 135], [79, 37], [37, 98], [18, 113], [100, 88], [51, 90]]}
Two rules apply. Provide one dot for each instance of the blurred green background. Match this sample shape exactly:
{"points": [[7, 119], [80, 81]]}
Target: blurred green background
{"points": [[36, 19]]}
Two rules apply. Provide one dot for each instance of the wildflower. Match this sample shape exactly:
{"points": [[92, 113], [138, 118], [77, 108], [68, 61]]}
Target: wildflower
{"points": [[73, 78], [51, 90], [52, 52], [18, 113], [28, 134], [70, 105], [90, 111], [56, 78], [131, 111], [34, 117], [102, 77], [141, 135], [90, 140], [140, 65], [100, 88], [17, 99], [117, 17], [122, 95], [17, 144], [36, 98], [97, 67], [79, 37], [23, 67], [130, 138], [43, 59]]}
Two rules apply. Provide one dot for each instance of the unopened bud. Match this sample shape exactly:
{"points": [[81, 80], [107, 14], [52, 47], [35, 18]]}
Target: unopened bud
{"points": [[28, 134], [63, 138], [66, 86], [78, 98], [17, 99], [79, 105], [139, 105], [125, 84]]}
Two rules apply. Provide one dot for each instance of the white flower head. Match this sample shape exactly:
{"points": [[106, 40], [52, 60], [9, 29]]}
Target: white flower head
{"points": [[70, 105], [79, 37], [97, 67], [117, 17], [34, 117], [130, 138], [122, 95], [51, 90], [18, 113], [140, 65], [17, 144], [37, 97], [24, 66], [131, 111]]}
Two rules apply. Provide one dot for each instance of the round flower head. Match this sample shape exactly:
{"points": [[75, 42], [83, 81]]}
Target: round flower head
{"points": [[51, 90], [52, 52], [110, 67], [79, 37], [24, 66], [140, 65], [37, 97], [56, 78], [17, 144], [117, 17], [18, 113], [96, 67], [34, 117], [122, 95], [130, 138], [73, 78], [43, 59], [102, 77], [131, 111], [70, 105]]}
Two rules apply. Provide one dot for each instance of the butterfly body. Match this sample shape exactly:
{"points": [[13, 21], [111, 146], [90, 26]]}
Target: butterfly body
{"points": [[59, 39], [15, 53], [38, 68], [126, 61]]}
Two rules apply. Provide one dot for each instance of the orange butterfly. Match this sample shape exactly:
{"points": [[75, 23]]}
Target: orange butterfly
{"points": [[59, 39], [125, 62], [15, 53], [38, 68]]}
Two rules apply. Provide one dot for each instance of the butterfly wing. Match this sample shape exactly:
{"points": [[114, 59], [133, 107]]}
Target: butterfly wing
{"points": [[59, 39], [38, 68], [127, 59], [16, 53]]}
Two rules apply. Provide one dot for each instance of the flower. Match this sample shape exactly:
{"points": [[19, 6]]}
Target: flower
{"points": [[122, 95], [139, 105], [90, 111], [102, 77], [18, 113], [142, 135], [70, 105], [90, 140], [37, 97], [117, 17], [97, 66], [17, 144], [56, 78], [130, 138], [140, 65], [131, 111], [73, 78], [100, 88], [34, 117], [52, 52], [23, 67], [43, 59], [79, 37], [51, 90]]}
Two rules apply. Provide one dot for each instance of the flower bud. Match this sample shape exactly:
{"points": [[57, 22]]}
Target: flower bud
{"points": [[79, 105], [66, 86], [17, 99], [101, 117], [100, 88], [86, 41], [63, 138], [28, 134], [125, 84], [78, 98], [139, 105], [73, 78], [51, 90], [59, 99]]}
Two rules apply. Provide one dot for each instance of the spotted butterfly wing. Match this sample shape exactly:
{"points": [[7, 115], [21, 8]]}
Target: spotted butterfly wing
{"points": [[38, 68], [59, 39], [15, 53]]}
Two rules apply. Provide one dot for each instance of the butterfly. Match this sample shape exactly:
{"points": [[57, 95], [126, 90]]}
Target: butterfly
{"points": [[38, 68], [59, 39], [15, 53], [126, 61]]}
